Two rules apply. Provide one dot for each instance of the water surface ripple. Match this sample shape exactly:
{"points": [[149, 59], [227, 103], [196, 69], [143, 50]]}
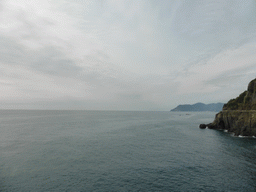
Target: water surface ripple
{"points": [[121, 151]]}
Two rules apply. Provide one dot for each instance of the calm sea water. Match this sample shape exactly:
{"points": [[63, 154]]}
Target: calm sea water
{"points": [[121, 151]]}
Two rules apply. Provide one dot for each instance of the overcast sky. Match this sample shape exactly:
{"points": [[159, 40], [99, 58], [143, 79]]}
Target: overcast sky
{"points": [[124, 54]]}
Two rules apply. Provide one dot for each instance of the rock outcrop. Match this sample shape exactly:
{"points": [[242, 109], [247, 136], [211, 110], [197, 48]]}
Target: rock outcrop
{"points": [[239, 114]]}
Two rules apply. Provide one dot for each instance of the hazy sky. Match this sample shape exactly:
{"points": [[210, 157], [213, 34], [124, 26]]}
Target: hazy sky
{"points": [[124, 54]]}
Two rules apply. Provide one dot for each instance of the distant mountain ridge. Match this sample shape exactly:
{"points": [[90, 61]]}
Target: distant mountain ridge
{"points": [[200, 107]]}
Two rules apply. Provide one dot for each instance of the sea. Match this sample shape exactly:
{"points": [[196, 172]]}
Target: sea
{"points": [[119, 151]]}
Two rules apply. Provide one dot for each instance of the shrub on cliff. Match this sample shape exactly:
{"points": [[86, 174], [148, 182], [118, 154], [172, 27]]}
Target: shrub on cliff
{"points": [[236, 103], [245, 101]]}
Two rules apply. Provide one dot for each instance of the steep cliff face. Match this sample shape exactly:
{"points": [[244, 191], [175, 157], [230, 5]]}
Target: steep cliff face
{"points": [[238, 122], [239, 115]]}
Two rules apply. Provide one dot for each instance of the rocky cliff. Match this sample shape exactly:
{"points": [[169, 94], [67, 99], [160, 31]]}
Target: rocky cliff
{"points": [[239, 114]]}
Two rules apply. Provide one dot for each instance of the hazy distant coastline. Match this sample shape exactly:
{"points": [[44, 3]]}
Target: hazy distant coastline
{"points": [[199, 107]]}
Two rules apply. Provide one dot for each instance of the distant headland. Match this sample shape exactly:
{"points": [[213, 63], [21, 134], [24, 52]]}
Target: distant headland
{"points": [[199, 107], [238, 115]]}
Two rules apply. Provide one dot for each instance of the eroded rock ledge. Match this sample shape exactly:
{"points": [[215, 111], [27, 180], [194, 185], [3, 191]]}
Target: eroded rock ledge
{"points": [[239, 114]]}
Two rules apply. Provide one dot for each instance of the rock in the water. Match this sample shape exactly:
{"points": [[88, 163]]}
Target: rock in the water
{"points": [[202, 126]]}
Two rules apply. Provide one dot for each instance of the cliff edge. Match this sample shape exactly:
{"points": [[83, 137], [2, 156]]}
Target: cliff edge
{"points": [[239, 114]]}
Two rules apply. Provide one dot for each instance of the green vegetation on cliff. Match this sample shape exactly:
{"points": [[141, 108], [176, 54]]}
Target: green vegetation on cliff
{"points": [[245, 101], [239, 114], [237, 103]]}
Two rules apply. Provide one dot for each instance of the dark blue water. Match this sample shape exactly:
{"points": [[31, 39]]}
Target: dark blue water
{"points": [[121, 151]]}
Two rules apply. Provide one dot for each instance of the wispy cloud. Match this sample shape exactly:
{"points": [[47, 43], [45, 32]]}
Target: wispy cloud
{"points": [[134, 55]]}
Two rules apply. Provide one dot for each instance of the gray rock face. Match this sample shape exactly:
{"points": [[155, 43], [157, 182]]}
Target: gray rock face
{"points": [[239, 115], [237, 121]]}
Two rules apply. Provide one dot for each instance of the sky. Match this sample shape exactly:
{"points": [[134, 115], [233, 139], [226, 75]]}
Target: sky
{"points": [[145, 55]]}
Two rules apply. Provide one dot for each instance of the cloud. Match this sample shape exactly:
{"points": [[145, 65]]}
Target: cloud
{"points": [[207, 28], [201, 19], [123, 54], [53, 62], [218, 72]]}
